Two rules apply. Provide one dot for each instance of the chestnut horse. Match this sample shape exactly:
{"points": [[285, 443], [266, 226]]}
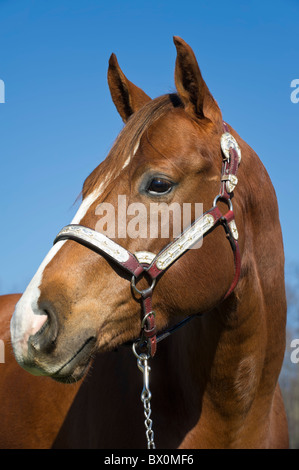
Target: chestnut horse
{"points": [[214, 382]]}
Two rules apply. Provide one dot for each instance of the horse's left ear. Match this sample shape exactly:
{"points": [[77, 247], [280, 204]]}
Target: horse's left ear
{"points": [[191, 87], [127, 97]]}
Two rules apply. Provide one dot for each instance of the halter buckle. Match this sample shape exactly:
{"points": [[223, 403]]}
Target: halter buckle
{"points": [[146, 317]]}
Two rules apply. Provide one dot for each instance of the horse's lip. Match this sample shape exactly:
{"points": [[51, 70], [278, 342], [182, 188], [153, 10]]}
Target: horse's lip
{"points": [[74, 368]]}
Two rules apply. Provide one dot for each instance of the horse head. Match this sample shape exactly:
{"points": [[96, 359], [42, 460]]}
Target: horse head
{"points": [[79, 303]]}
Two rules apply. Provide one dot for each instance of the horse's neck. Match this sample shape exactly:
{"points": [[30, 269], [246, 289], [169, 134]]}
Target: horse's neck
{"points": [[217, 368], [225, 364]]}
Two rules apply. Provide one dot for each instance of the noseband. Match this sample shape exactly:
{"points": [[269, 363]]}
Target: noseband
{"points": [[146, 264]]}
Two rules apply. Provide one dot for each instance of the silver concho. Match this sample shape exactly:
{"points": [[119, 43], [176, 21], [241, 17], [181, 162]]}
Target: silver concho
{"points": [[228, 141], [145, 257], [234, 229], [231, 182]]}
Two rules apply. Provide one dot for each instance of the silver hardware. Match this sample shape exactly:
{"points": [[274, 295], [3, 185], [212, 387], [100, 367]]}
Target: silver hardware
{"points": [[146, 316], [142, 363], [145, 256], [227, 200], [227, 141], [231, 182], [141, 291], [234, 230]]}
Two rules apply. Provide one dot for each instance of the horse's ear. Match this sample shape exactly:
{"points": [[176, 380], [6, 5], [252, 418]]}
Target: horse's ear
{"points": [[126, 96], [190, 85]]}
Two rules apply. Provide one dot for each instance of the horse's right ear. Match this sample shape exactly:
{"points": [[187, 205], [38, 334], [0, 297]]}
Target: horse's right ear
{"points": [[191, 87], [126, 96]]}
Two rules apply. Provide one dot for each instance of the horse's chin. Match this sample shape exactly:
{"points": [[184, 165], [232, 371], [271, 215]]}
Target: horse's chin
{"points": [[77, 365], [70, 369], [71, 376]]}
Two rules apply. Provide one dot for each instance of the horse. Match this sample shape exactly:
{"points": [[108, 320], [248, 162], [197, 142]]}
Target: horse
{"points": [[204, 312]]}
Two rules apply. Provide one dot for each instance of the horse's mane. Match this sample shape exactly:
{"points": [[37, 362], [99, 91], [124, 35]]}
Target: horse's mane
{"points": [[126, 142]]}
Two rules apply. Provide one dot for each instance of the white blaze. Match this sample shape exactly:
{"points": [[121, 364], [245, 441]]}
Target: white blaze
{"points": [[27, 318]]}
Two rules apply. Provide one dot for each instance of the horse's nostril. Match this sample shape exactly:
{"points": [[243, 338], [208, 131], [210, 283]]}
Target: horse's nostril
{"points": [[44, 339], [43, 327]]}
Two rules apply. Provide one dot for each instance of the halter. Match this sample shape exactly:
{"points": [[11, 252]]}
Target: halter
{"points": [[151, 266]]}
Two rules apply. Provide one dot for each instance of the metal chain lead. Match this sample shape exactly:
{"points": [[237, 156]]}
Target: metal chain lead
{"points": [[142, 363]]}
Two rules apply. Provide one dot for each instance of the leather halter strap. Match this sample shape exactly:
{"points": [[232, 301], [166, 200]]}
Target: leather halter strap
{"points": [[137, 264]]}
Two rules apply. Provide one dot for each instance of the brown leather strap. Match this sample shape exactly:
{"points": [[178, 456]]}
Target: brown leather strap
{"points": [[149, 330], [226, 220], [225, 126], [229, 171]]}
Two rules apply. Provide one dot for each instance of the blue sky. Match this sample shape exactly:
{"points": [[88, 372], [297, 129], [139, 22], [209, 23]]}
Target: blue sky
{"points": [[58, 121]]}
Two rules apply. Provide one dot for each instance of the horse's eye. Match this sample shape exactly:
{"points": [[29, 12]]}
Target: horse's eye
{"points": [[159, 186]]}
